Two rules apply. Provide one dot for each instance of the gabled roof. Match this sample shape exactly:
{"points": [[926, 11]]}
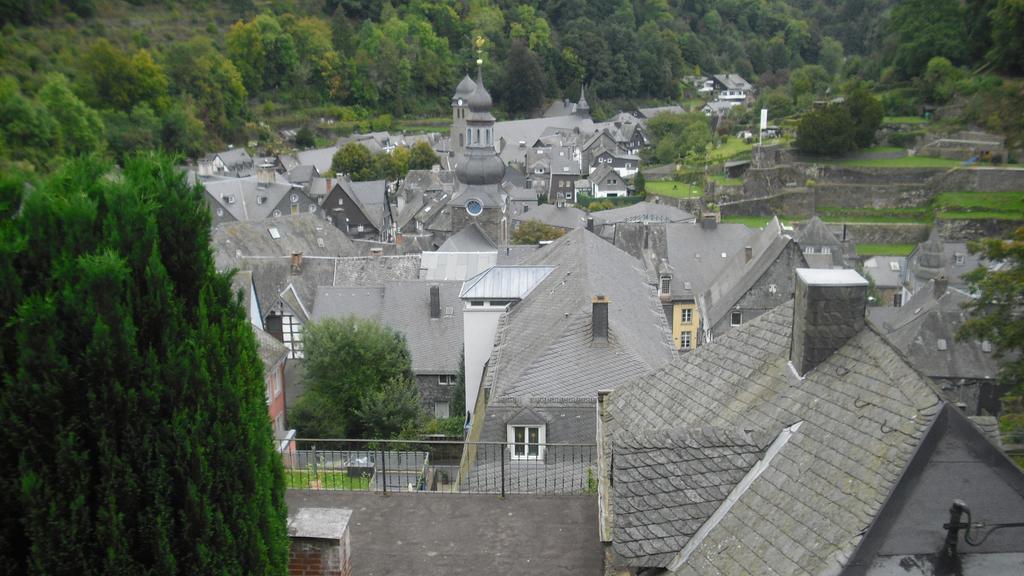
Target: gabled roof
{"points": [[319, 157], [733, 82], [602, 172], [697, 254], [472, 238], [455, 265], [435, 344], [567, 217], [917, 327], [886, 271], [232, 156], [643, 212], [244, 199], [543, 344], [307, 234], [303, 174], [862, 412], [739, 275], [815, 233], [648, 113], [271, 350]]}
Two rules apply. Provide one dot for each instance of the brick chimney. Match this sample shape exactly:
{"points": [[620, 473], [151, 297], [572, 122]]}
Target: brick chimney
{"points": [[827, 312], [435, 301], [296, 262], [320, 542], [599, 320]]}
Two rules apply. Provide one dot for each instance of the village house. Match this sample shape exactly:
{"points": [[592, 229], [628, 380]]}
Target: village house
{"points": [[264, 195], [360, 209], [233, 162], [605, 182], [801, 442], [427, 313], [933, 258]]}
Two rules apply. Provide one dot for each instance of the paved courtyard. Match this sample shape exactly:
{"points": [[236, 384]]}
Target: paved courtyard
{"points": [[442, 534]]}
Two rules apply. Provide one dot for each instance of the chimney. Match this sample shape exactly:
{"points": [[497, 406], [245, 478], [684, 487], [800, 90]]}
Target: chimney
{"points": [[264, 175], [828, 311], [435, 301], [748, 253], [709, 221], [599, 320], [941, 285], [296, 262], [329, 184], [590, 223]]}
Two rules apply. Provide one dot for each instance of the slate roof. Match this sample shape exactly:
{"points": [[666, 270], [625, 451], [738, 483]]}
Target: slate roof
{"points": [[733, 82], [241, 196], [667, 483], [543, 346], [271, 350], [371, 196], [643, 212], [697, 254], [567, 217], [917, 327], [301, 233], [472, 238], [435, 344], [302, 174], [319, 157], [948, 263], [455, 265], [816, 233], [739, 275], [882, 270], [568, 421], [862, 412]]}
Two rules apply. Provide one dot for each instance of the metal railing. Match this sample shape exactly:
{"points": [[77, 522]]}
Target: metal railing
{"points": [[440, 466]]}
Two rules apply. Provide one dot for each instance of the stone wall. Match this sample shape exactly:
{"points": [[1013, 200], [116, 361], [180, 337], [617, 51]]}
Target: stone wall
{"points": [[431, 391], [863, 233], [962, 230]]}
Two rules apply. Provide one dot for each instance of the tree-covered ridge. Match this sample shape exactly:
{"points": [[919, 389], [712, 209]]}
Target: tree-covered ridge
{"points": [[192, 75], [136, 432]]}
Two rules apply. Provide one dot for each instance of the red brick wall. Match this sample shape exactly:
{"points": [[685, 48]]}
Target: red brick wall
{"points": [[319, 557]]}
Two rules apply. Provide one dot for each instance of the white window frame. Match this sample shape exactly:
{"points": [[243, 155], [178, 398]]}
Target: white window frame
{"points": [[522, 450], [666, 284], [446, 379], [686, 316], [685, 340], [444, 408]]}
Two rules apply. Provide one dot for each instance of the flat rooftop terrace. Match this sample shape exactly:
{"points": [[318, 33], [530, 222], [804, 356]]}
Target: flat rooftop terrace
{"points": [[442, 534]]}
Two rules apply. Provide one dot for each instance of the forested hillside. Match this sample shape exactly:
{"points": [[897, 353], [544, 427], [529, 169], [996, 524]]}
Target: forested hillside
{"points": [[191, 75]]}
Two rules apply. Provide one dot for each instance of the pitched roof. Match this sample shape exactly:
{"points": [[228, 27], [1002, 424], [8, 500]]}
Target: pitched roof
{"points": [[667, 483], [651, 112], [543, 346], [305, 233], [244, 198], [371, 197], [271, 349], [643, 212], [568, 217], [505, 282], [472, 238], [861, 412], [435, 344], [814, 232], [917, 327], [698, 254], [887, 271], [319, 157], [739, 275], [439, 265]]}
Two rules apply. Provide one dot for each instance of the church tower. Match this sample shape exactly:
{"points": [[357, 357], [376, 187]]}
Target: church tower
{"points": [[460, 107]]}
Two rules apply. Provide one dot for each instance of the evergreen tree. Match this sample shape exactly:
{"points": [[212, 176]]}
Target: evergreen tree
{"points": [[136, 438]]}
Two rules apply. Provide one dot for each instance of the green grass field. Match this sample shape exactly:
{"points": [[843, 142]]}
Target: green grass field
{"points": [[973, 205], [673, 189], [904, 120], [885, 249], [328, 480], [732, 147]]}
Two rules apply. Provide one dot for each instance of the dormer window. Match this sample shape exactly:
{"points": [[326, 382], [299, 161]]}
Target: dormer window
{"points": [[959, 259], [526, 442], [666, 284]]}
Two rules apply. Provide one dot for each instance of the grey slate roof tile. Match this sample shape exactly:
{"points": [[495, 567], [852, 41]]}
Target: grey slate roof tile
{"points": [[863, 411]]}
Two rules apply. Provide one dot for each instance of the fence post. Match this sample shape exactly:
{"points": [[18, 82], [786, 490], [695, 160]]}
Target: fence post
{"points": [[501, 452], [383, 471]]}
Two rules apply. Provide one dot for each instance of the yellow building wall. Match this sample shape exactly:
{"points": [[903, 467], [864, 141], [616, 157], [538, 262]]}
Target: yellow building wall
{"points": [[677, 323]]}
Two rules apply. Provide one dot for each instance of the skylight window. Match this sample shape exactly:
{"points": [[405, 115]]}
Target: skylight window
{"points": [[274, 233], [894, 266], [941, 344]]}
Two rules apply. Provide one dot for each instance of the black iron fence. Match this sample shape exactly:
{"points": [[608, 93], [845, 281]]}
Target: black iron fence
{"points": [[440, 466]]}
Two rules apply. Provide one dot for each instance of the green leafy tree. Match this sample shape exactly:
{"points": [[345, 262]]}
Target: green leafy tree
{"points": [[27, 131], [78, 128], [996, 313], [198, 70], [136, 430], [925, 29], [112, 79], [826, 130], [422, 156], [304, 138], [640, 183], [524, 84], [359, 381], [867, 113], [534, 231], [1008, 35], [355, 160], [263, 52]]}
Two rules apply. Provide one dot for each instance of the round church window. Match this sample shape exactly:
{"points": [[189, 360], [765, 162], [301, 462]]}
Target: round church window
{"points": [[474, 207]]}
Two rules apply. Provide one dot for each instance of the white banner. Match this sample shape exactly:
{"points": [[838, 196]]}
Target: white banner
{"points": [[764, 119]]}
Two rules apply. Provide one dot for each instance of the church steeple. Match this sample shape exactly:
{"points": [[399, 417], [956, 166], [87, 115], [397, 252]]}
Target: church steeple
{"points": [[582, 108], [480, 163]]}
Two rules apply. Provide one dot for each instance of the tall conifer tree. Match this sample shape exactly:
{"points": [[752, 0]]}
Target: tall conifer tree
{"points": [[135, 438]]}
